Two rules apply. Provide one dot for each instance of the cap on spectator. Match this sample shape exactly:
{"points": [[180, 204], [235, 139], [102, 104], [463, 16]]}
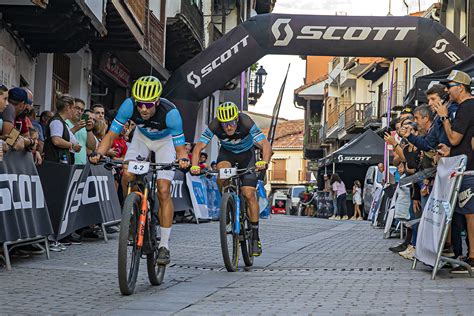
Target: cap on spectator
{"points": [[458, 77], [17, 95], [213, 163], [407, 110]]}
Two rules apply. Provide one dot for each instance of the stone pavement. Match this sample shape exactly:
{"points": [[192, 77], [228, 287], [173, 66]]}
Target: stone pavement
{"points": [[309, 266]]}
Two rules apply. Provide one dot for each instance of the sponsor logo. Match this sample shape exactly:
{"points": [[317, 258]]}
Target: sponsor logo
{"points": [[464, 197], [195, 79], [440, 48], [336, 33], [341, 158], [93, 190], [177, 189], [276, 32], [20, 191]]}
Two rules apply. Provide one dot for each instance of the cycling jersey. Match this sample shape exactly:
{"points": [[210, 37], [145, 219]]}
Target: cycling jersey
{"points": [[166, 121], [246, 134]]}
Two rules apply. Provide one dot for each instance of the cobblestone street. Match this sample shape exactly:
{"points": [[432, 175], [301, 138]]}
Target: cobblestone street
{"points": [[309, 266]]}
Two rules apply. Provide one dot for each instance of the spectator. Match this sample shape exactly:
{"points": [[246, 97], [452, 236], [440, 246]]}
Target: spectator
{"points": [[329, 193], [203, 160], [14, 115], [340, 194], [357, 200], [99, 112], [213, 166], [38, 159], [45, 116], [38, 128], [3, 102], [120, 144], [460, 133], [60, 142], [82, 130]]}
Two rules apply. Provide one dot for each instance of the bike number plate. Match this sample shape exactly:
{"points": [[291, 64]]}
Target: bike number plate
{"points": [[138, 167], [226, 173]]}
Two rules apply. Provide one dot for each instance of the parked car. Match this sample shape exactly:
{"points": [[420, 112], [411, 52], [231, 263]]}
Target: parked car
{"points": [[279, 202], [372, 181], [293, 198]]}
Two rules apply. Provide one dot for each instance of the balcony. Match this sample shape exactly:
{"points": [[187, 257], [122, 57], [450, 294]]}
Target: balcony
{"points": [[355, 118], [277, 175], [347, 79], [154, 38], [371, 120], [398, 93], [341, 125], [184, 33], [304, 176], [61, 27]]}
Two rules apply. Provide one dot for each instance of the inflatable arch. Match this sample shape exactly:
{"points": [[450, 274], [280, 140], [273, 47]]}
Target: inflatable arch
{"points": [[362, 36]]}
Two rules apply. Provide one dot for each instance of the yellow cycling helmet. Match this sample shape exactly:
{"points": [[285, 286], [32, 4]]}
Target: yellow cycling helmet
{"points": [[147, 89], [227, 111]]}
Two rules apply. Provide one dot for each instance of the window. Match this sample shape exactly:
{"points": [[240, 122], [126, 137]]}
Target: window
{"points": [[279, 170]]}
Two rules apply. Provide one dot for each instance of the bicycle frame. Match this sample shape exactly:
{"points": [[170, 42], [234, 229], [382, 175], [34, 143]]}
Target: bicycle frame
{"points": [[144, 188]]}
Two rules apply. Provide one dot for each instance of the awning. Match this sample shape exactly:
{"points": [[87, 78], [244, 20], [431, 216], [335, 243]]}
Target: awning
{"points": [[417, 92], [366, 149]]}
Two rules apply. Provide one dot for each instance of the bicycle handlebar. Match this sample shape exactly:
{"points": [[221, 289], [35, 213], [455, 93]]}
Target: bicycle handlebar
{"points": [[109, 163]]}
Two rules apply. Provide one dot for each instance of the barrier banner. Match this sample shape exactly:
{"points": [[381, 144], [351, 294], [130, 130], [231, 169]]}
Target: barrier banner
{"points": [[213, 197], [179, 193], [438, 210], [23, 211], [78, 196], [198, 194]]}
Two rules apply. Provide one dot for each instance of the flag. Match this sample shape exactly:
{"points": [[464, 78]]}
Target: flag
{"points": [[276, 109]]}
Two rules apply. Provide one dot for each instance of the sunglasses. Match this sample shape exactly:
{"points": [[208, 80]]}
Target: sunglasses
{"points": [[230, 123], [148, 105], [450, 85]]}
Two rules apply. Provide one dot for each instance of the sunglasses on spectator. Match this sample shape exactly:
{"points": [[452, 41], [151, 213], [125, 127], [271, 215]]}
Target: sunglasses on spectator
{"points": [[450, 85], [230, 123], [148, 105]]}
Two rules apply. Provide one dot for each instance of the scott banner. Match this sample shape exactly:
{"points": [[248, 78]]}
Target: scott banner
{"points": [[437, 210], [198, 193], [23, 211], [180, 193], [79, 196]]}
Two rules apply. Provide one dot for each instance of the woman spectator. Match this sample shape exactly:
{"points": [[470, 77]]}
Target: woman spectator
{"points": [[357, 200], [339, 189], [60, 142]]}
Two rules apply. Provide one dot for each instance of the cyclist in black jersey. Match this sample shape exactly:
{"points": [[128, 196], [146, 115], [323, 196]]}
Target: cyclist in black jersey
{"points": [[238, 135]]}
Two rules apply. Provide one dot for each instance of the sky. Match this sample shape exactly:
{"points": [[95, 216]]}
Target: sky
{"points": [[276, 65]]}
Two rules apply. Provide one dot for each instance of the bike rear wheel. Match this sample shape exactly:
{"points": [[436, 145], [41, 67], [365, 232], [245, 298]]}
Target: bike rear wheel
{"points": [[229, 242], [246, 234], [128, 253]]}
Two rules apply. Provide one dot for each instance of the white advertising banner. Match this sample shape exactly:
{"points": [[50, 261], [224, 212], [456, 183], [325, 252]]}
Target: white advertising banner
{"points": [[198, 194], [437, 210]]}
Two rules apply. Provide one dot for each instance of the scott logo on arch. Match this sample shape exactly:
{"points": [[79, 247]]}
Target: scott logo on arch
{"points": [[348, 33], [196, 79]]}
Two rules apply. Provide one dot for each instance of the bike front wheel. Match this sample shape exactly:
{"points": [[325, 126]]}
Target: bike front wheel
{"points": [[128, 252], [229, 241], [246, 234], [156, 273]]}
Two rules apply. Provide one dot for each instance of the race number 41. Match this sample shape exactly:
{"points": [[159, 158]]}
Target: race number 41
{"points": [[226, 173], [138, 167]]}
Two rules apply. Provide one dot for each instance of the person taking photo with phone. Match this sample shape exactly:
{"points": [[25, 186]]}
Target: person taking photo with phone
{"points": [[81, 126]]}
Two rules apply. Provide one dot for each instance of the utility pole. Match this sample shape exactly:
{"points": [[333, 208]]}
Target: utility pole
{"points": [[389, 8]]}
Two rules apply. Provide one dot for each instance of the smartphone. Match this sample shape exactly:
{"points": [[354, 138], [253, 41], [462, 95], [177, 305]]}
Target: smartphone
{"points": [[85, 117], [12, 137]]}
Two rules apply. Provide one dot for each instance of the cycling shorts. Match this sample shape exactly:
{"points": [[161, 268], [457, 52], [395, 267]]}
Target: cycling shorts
{"points": [[244, 159], [163, 148]]}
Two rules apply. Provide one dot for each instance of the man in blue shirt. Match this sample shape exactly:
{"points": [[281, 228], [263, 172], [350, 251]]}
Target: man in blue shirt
{"points": [[159, 129], [436, 134]]}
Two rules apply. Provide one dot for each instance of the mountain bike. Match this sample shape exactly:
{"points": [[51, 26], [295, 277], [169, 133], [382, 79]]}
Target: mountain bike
{"points": [[234, 223], [137, 238]]}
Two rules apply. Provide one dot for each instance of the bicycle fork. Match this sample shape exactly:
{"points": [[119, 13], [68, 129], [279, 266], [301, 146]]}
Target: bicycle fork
{"points": [[142, 218]]}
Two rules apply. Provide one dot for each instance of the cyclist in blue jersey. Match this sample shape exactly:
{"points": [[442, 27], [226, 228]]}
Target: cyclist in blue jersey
{"points": [[159, 129], [238, 135]]}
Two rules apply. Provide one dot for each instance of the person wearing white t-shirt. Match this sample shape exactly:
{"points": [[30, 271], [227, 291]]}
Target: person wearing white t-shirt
{"points": [[339, 189]]}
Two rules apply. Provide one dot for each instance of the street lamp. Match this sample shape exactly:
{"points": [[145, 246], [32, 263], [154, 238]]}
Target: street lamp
{"points": [[260, 78]]}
